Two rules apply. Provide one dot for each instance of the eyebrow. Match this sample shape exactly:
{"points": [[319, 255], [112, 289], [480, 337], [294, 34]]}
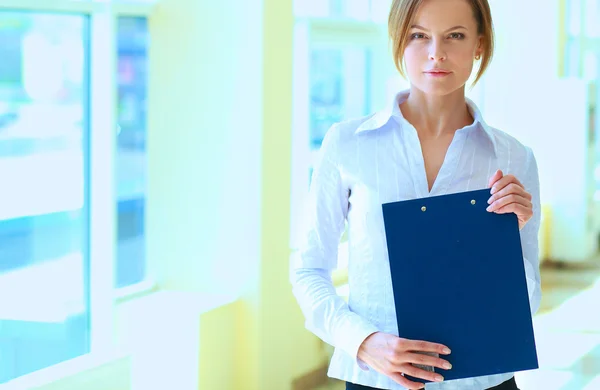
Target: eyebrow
{"points": [[424, 29]]}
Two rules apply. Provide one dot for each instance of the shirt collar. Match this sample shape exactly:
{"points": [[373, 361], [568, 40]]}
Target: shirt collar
{"points": [[381, 118]]}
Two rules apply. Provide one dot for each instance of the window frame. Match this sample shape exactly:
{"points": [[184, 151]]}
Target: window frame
{"points": [[102, 96], [586, 43], [311, 32]]}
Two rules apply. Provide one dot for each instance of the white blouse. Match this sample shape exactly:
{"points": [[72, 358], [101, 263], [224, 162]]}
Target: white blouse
{"points": [[364, 163]]}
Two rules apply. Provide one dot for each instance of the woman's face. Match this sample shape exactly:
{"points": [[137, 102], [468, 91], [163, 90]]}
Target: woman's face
{"points": [[443, 43]]}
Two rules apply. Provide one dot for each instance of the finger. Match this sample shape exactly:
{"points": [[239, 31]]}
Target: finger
{"points": [[509, 199], [416, 372], [495, 177], [506, 180], [401, 380], [512, 188], [423, 346], [522, 212], [426, 360]]}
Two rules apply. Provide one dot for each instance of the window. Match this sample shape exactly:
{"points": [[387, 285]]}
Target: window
{"points": [[592, 18], [61, 120], [582, 39], [339, 87], [343, 69], [44, 262], [581, 59], [573, 17], [365, 10], [572, 52], [131, 171]]}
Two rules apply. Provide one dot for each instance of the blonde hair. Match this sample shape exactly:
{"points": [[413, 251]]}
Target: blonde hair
{"points": [[402, 14]]}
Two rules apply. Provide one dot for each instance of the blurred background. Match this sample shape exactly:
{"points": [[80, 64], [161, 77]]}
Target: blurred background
{"points": [[154, 156]]}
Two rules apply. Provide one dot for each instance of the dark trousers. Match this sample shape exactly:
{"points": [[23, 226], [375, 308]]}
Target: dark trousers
{"points": [[510, 384]]}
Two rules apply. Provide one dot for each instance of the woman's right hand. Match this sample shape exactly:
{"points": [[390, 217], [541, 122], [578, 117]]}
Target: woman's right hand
{"points": [[394, 356]]}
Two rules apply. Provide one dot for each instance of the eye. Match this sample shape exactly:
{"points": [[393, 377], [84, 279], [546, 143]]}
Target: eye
{"points": [[417, 36], [457, 36]]}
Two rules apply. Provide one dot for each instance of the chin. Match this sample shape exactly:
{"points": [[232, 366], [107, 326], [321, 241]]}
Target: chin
{"points": [[438, 87]]}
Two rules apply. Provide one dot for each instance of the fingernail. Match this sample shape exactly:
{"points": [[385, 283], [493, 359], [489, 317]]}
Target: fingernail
{"points": [[489, 208], [447, 366], [490, 200], [493, 190], [447, 351], [439, 378]]}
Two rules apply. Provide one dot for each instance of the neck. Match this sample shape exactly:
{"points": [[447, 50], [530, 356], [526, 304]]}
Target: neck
{"points": [[436, 116]]}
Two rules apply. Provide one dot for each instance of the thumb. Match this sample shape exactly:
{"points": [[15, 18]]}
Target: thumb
{"points": [[497, 176]]}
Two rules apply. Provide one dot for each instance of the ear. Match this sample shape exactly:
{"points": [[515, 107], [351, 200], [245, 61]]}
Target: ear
{"points": [[480, 47]]}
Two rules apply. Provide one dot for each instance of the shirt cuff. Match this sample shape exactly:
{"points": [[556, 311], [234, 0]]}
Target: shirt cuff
{"points": [[352, 335]]}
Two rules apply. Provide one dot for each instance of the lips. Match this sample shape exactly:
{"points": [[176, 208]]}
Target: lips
{"points": [[437, 72]]}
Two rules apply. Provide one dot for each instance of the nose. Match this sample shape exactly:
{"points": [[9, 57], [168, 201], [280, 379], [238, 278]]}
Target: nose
{"points": [[436, 51]]}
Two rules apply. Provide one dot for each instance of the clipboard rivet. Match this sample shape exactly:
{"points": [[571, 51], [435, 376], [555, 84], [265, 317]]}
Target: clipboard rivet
{"points": [[473, 201], [423, 208]]}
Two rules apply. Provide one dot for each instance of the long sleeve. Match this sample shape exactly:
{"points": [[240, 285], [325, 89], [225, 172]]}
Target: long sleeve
{"points": [[529, 235], [327, 315]]}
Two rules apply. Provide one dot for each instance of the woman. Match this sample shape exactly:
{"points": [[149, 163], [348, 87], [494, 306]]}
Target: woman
{"points": [[430, 141]]}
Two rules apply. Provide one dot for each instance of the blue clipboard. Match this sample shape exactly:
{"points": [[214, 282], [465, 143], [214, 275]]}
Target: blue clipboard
{"points": [[459, 279]]}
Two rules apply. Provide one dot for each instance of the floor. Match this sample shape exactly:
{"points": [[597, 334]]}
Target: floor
{"points": [[567, 330]]}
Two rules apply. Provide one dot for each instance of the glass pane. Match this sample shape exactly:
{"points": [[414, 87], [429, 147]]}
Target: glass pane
{"points": [[592, 18], [595, 130], [590, 66], [380, 10], [351, 9], [131, 150], [44, 314], [325, 93], [572, 54], [340, 82], [573, 17], [127, 1]]}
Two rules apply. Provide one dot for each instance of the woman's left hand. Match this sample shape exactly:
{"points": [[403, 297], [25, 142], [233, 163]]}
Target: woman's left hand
{"points": [[509, 196]]}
